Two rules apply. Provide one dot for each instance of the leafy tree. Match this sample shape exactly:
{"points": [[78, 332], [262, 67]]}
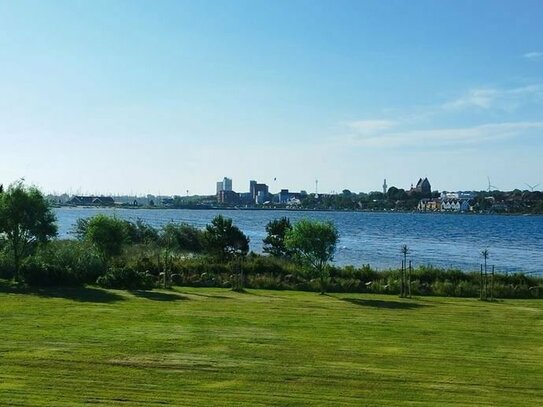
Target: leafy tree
{"points": [[315, 244], [182, 237], [80, 228], [274, 243], [140, 232], [224, 240], [107, 234], [26, 221]]}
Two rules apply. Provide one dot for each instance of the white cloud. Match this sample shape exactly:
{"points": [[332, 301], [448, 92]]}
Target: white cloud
{"points": [[502, 99], [534, 55], [481, 98], [448, 136]]}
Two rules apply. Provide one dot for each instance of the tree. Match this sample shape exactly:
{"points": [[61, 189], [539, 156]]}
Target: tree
{"points": [[182, 237], [274, 243], [224, 240], [140, 232], [314, 242], [26, 221], [107, 234], [227, 242]]}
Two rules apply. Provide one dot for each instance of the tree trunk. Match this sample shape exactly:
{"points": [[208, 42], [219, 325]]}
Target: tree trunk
{"points": [[17, 264]]}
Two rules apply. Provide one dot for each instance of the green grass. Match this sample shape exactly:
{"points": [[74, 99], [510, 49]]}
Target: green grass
{"points": [[215, 347]]}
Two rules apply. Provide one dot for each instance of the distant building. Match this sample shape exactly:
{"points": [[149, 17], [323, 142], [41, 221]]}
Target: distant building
{"points": [[448, 202], [423, 187], [224, 185], [456, 205], [385, 187], [91, 201], [429, 205], [227, 184], [458, 195], [228, 197], [286, 197], [257, 190]]}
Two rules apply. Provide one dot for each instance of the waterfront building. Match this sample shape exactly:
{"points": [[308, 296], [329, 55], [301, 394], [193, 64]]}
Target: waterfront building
{"points": [[255, 188], [456, 205], [91, 201], [429, 205], [458, 195], [228, 197], [224, 185], [287, 197]]}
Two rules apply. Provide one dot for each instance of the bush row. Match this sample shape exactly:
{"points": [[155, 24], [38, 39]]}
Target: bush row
{"points": [[143, 266]]}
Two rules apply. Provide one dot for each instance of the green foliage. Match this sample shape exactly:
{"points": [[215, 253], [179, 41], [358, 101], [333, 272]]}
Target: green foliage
{"points": [[26, 222], [80, 228], [125, 278], [36, 272], [274, 243], [107, 234], [182, 237], [140, 232], [314, 242], [224, 240]]}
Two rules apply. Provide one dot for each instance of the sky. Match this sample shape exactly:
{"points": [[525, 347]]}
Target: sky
{"points": [[165, 97]]}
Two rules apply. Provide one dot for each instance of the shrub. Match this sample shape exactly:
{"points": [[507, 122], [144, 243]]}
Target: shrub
{"points": [[37, 273], [124, 278], [7, 269], [140, 232], [107, 234], [83, 262], [182, 237]]}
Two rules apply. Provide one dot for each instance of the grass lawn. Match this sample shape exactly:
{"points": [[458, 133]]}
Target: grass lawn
{"points": [[215, 347]]}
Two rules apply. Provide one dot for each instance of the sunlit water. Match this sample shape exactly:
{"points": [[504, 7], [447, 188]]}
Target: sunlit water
{"points": [[515, 243]]}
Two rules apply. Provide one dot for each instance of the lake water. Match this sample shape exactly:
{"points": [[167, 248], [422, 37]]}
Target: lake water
{"points": [[515, 243]]}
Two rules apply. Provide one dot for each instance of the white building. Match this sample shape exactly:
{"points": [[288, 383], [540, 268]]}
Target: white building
{"points": [[455, 205]]}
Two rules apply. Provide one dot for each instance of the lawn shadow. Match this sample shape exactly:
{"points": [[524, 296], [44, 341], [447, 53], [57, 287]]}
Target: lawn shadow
{"points": [[220, 297], [79, 294], [384, 304], [158, 296], [255, 294]]}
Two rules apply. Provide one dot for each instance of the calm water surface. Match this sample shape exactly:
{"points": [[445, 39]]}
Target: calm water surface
{"points": [[515, 243]]}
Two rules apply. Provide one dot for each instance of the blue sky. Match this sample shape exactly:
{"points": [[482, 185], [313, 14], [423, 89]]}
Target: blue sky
{"points": [[164, 97]]}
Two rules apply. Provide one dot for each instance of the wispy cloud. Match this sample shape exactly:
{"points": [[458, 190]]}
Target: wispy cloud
{"points": [[533, 55], [369, 127], [481, 98], [503, 99], [445, 137]]}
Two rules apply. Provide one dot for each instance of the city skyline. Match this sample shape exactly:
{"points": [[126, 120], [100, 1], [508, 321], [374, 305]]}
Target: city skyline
{"points": [[147, 98]]}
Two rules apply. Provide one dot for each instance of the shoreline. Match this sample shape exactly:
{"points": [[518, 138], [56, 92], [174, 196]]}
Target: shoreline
{"points": [[218, 208]]}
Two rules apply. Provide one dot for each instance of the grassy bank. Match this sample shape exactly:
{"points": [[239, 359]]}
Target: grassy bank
{"points": [[196, 346]]}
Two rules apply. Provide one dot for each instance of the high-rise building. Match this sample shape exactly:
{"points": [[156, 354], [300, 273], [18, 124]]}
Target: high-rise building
{"points": [[255, 189], [227, 184], [224, 185], [385, 187]]}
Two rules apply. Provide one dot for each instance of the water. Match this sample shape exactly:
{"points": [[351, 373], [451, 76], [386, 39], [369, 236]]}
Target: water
{"points": [[515, 243]]}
